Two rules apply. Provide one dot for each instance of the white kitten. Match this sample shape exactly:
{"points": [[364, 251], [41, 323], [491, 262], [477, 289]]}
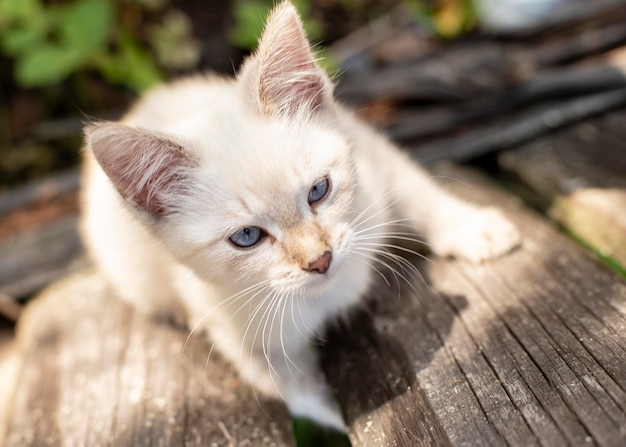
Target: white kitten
{"points": [[256, 205]]}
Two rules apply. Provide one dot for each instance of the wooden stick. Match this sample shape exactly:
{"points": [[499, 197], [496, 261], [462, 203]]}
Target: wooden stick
{"points": [[521, 129]]}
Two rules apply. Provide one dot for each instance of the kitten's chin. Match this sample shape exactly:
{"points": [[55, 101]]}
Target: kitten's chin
{"points": [[318, 283]]}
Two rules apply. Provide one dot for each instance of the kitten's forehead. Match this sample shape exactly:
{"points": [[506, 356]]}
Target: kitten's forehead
{"points": [[255, 171], [259, 153]]}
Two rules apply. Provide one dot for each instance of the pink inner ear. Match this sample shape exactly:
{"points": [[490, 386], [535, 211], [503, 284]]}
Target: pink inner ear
{"points": [[153, 193], [286, 92], [147, 170], [289, 79]]}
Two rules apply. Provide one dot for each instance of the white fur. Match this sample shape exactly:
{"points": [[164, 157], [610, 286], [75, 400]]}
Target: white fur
{"points": [[254, 158]]}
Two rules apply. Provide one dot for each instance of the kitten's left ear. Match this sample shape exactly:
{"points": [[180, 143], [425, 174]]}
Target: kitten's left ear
{"points": [[149, 171], [283, 75]]}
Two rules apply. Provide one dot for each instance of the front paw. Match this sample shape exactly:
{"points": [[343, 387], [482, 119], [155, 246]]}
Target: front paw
{"points": [[478, 235]]}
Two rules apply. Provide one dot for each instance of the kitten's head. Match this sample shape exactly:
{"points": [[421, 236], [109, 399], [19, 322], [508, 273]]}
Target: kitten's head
{"points": [[261, 187]]}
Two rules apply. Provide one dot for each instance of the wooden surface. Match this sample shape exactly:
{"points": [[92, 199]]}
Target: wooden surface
{"points": [[38, 256], [94, 372], [39, 241], [579, 175], [526, 350]]}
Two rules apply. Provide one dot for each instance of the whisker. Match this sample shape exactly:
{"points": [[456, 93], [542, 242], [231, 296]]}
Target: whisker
{"points": [[231, 299], [383, 234], [252, 319], [395, 222], [271, 298], [312, 336], [282, 343], [401, 248], [373, 258], [356, 222], [380, 261], [265, 344], [405, 265], [399, 236], [398, 260]]}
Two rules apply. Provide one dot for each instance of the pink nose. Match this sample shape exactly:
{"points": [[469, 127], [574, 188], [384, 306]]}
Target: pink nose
{"points": [[321, 264]]}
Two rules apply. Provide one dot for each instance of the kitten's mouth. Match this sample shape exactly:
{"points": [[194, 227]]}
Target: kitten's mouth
{"points": [[319, 282]]}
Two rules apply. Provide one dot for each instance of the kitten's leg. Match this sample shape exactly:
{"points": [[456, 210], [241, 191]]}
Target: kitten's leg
{"points": [[307, 393], [296, 379], [452, 226], [276, 359]]}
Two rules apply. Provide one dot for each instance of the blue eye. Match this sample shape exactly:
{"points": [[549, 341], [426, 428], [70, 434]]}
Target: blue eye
{"points": [[319, 190], [247, 237]]}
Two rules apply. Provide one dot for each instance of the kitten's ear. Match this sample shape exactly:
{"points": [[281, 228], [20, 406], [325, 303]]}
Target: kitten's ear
{"points": [[148, 170], [283, 74]]}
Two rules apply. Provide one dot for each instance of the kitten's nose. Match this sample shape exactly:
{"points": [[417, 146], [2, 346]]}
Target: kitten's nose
{"points": [[321, 264]]}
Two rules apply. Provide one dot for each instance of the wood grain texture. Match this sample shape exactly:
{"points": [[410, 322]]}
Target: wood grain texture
{"points": [[94, 372], [38, 256], [39, 242], [578, 175], [525, 350]]}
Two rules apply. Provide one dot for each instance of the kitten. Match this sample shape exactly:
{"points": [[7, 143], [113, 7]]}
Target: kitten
{"points": [[256, 206]]}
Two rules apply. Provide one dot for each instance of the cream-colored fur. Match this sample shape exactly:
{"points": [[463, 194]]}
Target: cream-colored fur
{"points": [[198, 160]]}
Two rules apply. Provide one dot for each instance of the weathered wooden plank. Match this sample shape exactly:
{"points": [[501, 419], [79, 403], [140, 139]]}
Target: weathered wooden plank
{"points": [[43, 190], [36, 257], [521, 129], [524, 350], [579, 176], [95, 372], [475, 68], [418, 124], [38, 234]]}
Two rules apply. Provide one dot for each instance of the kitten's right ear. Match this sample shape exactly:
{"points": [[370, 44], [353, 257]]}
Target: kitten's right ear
{"points": [[283, 76], [149, 171]]}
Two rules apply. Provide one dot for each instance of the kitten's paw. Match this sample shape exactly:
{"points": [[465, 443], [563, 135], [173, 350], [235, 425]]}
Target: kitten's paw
{"points": [[481, 235]]}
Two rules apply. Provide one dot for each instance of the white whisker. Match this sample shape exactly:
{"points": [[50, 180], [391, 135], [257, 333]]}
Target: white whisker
{"points": [[231, 299], [355, 222]]}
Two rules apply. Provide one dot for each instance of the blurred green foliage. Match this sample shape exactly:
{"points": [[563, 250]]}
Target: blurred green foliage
{"points": [[49, 41], [48, 44], [309, 434], [250, 18], [447, 19]]}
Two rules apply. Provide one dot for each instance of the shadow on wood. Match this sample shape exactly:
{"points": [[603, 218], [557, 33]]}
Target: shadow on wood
{"points": [[95, 372], [524, 350]]}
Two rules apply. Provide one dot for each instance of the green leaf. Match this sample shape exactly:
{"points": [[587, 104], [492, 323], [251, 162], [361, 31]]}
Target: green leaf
{"points": [[85, 25], [22, 25], [131, 65], [249, 22], [19, 10], [20, 40], [250, 18], [44, 65]]}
